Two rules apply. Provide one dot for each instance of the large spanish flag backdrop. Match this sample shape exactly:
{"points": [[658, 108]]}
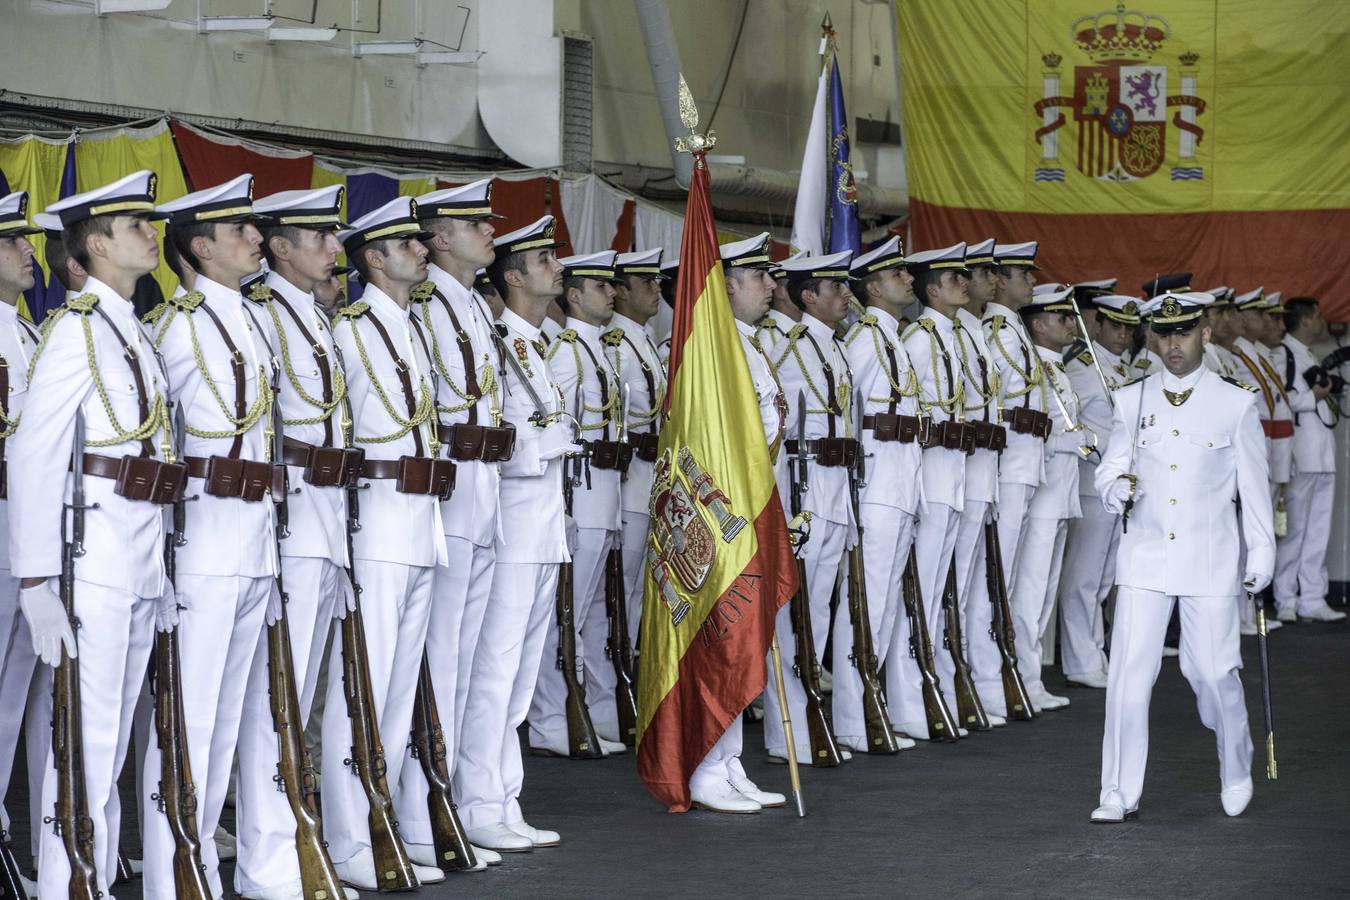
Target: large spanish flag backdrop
{"points": [[717, 565], [1207, 136]]}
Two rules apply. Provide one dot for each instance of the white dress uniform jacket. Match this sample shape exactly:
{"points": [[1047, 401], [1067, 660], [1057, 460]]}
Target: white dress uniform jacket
{"points": [[772, 331], [931, 345], [1057, 498], [979, 405], [225, 535], [1095, 408], [458, 325], [395, 527], [1185, 456], [636, 363], [1022, 384], [124, 539], [303, 342], [1277, 418], [589, 390], [885, 379]]}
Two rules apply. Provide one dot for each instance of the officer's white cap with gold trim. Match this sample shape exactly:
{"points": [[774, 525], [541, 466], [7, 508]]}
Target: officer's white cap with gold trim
{"points": [[315, 208], [228, 202], [131, 195]]}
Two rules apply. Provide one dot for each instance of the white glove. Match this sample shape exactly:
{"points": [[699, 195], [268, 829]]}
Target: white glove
{"points": [[1256, 582], [348, 599], [274, 605], [570, 525], [1114, 497], [557, 440], [1072, 441], [47, 622], [166, 611]]}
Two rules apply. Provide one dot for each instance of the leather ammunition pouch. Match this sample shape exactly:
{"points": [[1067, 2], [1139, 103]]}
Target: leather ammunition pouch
{"points": [[414, 474], [829, 452], [245, 479], [889, 427], [610, 455], [1028, 421], [952, 436], [989, 436], [139, 478], [478, 443], [324, 466], [644, 445]]}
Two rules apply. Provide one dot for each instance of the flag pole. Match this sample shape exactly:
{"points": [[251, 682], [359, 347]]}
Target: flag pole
{"points": [[793, 773]]}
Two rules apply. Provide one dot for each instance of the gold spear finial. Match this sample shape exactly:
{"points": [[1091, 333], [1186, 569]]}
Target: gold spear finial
{"points": [[694, 142]]}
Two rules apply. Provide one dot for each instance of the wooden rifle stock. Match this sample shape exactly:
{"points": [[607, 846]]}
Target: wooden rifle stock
{"points": [[295, 770], [941, 725], [177, 797], [619, 648], [453, 850], [582, 741], [71, 816], [393, 868], [969, 709], [877, 720], [1015, 695], [824, 749]]}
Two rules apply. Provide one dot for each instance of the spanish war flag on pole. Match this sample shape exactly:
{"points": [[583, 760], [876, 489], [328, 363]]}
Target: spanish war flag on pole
{"points": [[718, 565]]}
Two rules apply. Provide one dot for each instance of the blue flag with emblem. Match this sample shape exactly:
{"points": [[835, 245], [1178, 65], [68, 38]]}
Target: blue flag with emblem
{"points": [[841, 225]]}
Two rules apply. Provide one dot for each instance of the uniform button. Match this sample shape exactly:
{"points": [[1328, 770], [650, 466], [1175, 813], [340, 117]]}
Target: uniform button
{"points": [[316, 371], [1171, 536], [1174, 467], [1210, 444], [1173, 501]]}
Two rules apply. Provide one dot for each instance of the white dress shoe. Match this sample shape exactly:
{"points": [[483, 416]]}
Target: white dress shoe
{"points": [[1236, 798], [751, 791], [916, 730], [962, 732], [996, 721], [721, 797], [225, 845], [500, 838], [1287, 615], [1112, 814], [1321, 613], [425, 855], [1113, 811], [538, 837], [1046, 700], [611, 748], [1087, 680], [359, 871], [486, 856], [428, 874], [551, 746], [1273, 625]]}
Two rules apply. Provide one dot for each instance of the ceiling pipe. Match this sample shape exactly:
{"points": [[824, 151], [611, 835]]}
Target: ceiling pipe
{"points": [[664, 57]]}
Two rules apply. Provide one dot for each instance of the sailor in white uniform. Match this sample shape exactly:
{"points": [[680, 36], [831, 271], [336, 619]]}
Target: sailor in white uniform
{"points": [[1186, 444]]}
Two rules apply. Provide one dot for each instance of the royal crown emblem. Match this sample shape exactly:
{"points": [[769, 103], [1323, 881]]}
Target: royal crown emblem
{"points": [[1120, 101], [1130, 308], [1170, 308]]}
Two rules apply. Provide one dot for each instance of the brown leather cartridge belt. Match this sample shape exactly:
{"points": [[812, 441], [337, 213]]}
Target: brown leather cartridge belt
{"points": [[481, 443], [828, 451], [610, 455], [990, 436], [139, 477], [414, 474], [1028, 421], [246, 479], [324, 466], [888, 427], [644, 445]]}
